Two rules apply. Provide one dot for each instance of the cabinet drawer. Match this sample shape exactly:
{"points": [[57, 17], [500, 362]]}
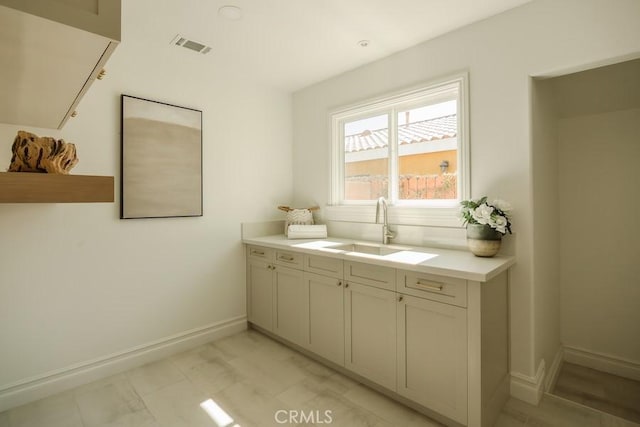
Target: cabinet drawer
{"points": [[448, 290], [259, 252], [369, 274], [326, 266], [289, 259]]}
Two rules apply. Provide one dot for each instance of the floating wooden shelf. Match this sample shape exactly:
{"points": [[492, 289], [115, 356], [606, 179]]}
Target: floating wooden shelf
{"points": [[25, 187]]}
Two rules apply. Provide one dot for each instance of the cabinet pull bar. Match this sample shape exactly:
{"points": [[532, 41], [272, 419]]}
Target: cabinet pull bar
{"points": [[254, 252], [286, 258], [429, 286]]}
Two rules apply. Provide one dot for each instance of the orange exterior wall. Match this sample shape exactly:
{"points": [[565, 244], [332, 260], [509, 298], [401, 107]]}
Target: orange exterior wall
{"points": [[415, 164]]}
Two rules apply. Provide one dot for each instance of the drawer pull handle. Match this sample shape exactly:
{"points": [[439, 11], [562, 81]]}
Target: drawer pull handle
{"points": [[287, 258], [429, 286], [254, 252]]}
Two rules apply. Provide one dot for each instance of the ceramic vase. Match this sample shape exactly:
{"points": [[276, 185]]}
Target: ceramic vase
{"points": [[482, 240]]}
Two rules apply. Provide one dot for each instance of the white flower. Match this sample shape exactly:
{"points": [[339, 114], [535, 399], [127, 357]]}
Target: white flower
{"points": [[502, 205], [496, 215], [500, 224], [482, 213]]}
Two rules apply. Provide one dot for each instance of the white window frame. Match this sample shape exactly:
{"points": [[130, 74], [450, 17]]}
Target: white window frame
{"points": [[432, 212]]}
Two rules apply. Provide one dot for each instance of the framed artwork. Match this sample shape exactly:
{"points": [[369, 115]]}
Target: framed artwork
{"points": [[161, 160]]}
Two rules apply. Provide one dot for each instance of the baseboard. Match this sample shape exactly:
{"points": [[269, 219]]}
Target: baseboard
{"points": [[554, 370], [30, 389], [602, 362], [526, 388]]}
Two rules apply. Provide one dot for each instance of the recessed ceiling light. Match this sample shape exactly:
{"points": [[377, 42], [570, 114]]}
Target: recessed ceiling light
{"points": [[364, 43], [231, 13]]}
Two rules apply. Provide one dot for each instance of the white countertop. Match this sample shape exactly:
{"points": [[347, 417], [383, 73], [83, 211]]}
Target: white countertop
{"points": [[446, 262]]}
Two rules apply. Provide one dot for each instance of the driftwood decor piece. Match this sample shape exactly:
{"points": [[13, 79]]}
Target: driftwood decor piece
{"points": [[32, 153]]}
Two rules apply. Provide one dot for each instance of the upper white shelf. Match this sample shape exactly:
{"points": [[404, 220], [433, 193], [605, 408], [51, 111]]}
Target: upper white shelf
{"points": [[52, 52]]}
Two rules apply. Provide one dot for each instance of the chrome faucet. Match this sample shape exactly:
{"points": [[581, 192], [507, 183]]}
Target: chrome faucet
{"points": [[386, 232]]}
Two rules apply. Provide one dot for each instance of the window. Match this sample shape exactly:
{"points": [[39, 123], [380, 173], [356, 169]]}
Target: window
{"points": [[410, 148]]}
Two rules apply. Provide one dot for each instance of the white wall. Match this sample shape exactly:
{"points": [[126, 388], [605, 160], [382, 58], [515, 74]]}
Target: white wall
{"points": [[546, 252], [600, 237], [574, 118], [500, 53], [78, 284], [585, 151]]}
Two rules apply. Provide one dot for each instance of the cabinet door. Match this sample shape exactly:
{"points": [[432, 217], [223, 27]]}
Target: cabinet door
{"points": [[323, 265], [260, 294], [326, 317], [260, 253], [95, 16], [290, 305], [370, 333], [289, 259], [75, 54], [372, 275], [432, 355]]}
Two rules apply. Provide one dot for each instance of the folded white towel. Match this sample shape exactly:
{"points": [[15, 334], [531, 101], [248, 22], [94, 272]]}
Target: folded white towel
{"points": [[298, 231]]}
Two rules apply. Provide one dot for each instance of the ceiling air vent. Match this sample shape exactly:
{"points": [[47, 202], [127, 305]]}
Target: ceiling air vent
{"points": [[190, 44]]}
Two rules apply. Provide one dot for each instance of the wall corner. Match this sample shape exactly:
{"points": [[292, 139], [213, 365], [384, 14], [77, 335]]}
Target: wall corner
{"points": [[526, 388]]}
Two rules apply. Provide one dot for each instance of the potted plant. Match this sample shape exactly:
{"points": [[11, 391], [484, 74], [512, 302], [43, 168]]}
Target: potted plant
{"points": [[486, 224]]}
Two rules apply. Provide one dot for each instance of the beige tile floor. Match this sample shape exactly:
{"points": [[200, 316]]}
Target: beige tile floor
{"points": [[250, 378]]}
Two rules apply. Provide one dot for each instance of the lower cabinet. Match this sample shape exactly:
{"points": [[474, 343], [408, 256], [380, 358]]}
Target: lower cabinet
{"points": [[438, 341], [432, 355], [260, 293], [277, 298], [370, 333], [290, 298], [326, 316]]}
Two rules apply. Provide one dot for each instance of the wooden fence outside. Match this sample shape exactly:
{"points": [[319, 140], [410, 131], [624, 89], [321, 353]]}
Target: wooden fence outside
{"points": [[412, 187]]}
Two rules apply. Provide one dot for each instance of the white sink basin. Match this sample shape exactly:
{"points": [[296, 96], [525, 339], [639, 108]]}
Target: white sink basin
{"points": [[370, 249]]}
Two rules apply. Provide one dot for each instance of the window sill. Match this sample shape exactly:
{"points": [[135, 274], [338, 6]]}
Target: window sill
{"points": [[401, 215]]}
